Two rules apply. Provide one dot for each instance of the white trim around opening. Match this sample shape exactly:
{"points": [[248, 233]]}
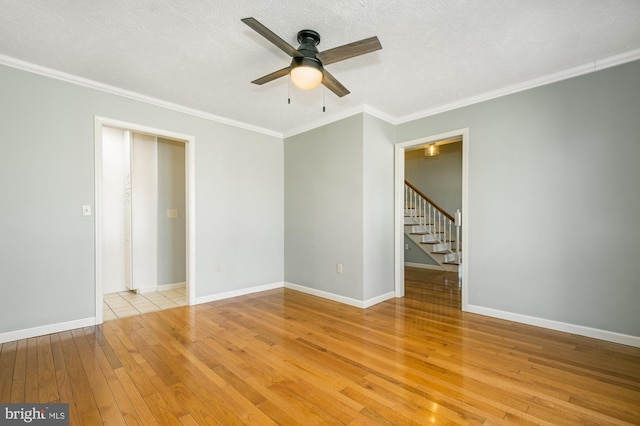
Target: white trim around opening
{"points": [[399, 207], [189, 141]]}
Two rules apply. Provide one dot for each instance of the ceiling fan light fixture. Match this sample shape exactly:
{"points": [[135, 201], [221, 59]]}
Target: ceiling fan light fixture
{"points": [[306, 73]]}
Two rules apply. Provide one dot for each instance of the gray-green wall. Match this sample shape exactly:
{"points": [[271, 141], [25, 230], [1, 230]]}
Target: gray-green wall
{"points": [[439, 177], [554, 200], [339, 208], [323, 208], [172, 235], [378, 211], [414, 254], [47, 172]]}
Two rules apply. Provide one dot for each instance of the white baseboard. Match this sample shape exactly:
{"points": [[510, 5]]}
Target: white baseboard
{"points": [[163, 287], [378, 299], [423, 266], [46, 329], [236, 293], [338, 298], [86, 322], [580, 330]]}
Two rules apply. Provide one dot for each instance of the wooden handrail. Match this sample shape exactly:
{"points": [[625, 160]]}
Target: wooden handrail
{"points": [[433, 203]]}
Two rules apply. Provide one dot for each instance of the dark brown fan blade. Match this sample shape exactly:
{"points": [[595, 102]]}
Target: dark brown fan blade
{"points": [[270, 77], [350, 50], [334, 85], [272, 37]]}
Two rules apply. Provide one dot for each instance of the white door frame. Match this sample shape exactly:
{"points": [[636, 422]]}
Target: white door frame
{"points": [[399, 207], [190, 202]]}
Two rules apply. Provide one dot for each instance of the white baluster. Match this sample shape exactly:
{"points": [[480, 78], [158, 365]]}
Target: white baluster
{"points": [[446, 231], [415, 207], [413, 204], [405, 196]]}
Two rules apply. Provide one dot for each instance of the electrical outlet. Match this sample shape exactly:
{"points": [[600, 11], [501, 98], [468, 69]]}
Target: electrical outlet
{"points": [[218, 267], [406, 246], [339, 268]]}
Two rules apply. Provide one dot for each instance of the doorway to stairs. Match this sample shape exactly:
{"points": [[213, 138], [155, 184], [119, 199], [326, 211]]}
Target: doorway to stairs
{"points": [[411, 151], [144, 219], [433, 175]]}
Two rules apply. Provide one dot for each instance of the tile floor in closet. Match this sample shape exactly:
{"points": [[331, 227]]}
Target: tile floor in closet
{"points": [[129, 303]]}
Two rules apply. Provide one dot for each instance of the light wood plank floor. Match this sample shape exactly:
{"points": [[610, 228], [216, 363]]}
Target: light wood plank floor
{"points": [[433, 287], [284, 357]]}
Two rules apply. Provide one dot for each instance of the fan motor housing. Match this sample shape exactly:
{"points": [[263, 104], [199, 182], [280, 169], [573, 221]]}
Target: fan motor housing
{"points": [[308, 40], [303, 35], [306, 61]]}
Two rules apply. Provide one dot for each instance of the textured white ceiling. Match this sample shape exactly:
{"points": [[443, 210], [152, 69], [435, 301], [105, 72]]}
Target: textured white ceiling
{"points": [[197, 53]]}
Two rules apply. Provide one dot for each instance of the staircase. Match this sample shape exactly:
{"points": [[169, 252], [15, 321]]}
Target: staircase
{"points": [[434, 230]]}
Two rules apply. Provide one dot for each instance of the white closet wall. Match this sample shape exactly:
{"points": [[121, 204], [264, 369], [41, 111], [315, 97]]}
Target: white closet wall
{"points": [[112, 209], [144, 212], [129, 211]]}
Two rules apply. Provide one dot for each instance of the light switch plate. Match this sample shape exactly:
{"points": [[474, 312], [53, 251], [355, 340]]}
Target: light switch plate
{"points": [[172, 213], [86, 210]]}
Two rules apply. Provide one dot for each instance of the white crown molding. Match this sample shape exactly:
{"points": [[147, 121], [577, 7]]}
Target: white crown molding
{"points": [[594, 66], [339, 116], [612, 61], [379, 114], [91, 84], [323, 121]]}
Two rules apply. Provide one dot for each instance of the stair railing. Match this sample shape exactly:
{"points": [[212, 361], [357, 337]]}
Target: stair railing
{"points": [[434, 219]]}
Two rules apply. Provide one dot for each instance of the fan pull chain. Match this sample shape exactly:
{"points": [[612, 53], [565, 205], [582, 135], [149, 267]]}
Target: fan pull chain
{"points": [[324, 96], [289, 93]]}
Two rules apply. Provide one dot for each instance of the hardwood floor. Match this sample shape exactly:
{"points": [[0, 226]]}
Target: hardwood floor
{"points": [[284, 357], [433, 287]]}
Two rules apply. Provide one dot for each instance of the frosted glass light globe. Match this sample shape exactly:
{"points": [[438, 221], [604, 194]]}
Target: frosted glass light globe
{"points": [[306, 77]]}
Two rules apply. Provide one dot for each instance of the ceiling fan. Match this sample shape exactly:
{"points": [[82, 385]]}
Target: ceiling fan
{"points": [[307, 66]]}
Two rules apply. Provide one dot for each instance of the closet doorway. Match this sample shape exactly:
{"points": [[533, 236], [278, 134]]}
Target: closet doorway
{"points": [[144, 220]]}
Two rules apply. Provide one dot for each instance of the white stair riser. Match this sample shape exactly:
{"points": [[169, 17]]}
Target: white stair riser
{"points": [[442, 248], [423, 229], [429, 239], [453, 258]]}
